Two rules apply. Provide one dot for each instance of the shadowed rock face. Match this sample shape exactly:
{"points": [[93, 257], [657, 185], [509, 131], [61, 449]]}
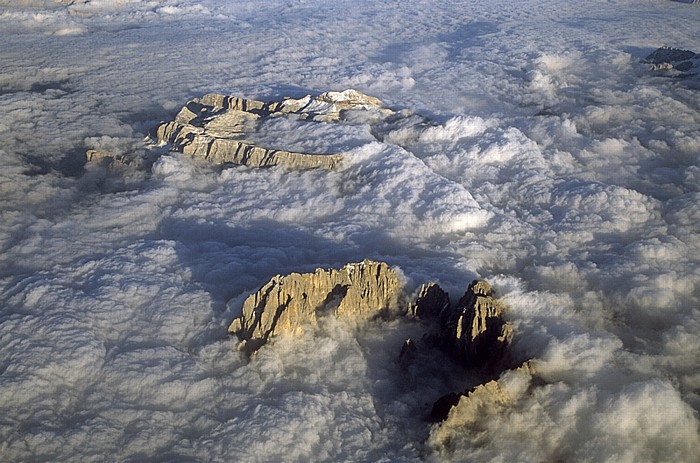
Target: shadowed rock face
{"points": [[430, 303], [215, 127], [674, 61], [477, 333], [115, 160], [286, 304]]}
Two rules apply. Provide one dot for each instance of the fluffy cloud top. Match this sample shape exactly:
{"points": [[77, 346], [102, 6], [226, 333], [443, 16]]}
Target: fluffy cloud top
{"points": [[542, 156]]}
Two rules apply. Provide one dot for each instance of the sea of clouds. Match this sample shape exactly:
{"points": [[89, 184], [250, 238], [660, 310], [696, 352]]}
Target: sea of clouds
{"points": [[553, 164]]}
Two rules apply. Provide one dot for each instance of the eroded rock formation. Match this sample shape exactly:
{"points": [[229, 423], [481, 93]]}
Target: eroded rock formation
{"points": [[225, 129], [476, 333], [430, 303], [120, 158], [218, 127], [462, 419], [288, 303], [107, 158], [674, 61]]}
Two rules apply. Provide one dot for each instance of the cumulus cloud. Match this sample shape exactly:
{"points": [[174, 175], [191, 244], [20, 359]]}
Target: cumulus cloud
{"points": [[535, 151]]}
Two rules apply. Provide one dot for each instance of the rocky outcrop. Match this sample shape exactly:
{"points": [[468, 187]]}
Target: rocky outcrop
{"points": [[463, 407], [408, 353], [218, 127], [462, 419], [476, 333], [288, 303], [119, 158], [674, 62], [430, 303], [108, 158], [224, 129], [330, 106]]}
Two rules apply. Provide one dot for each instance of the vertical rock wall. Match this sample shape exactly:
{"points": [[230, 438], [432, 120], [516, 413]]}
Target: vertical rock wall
{"points": [[286, 304]]}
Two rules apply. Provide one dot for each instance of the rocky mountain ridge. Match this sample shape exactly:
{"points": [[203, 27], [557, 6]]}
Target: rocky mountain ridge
{"points": [[475, 332], [288, 303], [674, 62], [218, 127]]}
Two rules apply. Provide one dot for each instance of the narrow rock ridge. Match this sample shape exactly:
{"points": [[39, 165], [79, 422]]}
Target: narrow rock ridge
{"points": [[674, 62], [462, 418], [288, 303], [215, 127]]}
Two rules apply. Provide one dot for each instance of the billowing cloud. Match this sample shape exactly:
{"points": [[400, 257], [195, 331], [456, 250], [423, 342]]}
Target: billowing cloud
{"points": [[534, 150]]}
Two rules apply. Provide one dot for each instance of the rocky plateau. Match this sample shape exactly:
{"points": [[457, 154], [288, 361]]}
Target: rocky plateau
{"points": [[218, 128], [674, 62], [224, 129]]}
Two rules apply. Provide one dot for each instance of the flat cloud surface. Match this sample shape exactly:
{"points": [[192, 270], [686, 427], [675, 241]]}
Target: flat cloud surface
{"points": [[555, 165]]}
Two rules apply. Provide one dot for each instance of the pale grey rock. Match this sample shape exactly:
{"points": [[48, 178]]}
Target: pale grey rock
{"points": [[287, 304], [218, 127]]}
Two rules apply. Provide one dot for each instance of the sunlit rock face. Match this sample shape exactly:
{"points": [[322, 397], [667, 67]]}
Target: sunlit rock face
{"points": [[288, 303], [464, 417], [475, 333], [221, 128]]}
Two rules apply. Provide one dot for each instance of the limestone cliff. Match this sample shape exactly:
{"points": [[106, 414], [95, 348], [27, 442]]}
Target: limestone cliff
{"points": [[287, 303], [218, 127], [465, 420], [475, 332]]}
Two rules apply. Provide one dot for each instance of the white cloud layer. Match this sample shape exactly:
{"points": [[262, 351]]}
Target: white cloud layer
{"points": [[552, 164]]}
